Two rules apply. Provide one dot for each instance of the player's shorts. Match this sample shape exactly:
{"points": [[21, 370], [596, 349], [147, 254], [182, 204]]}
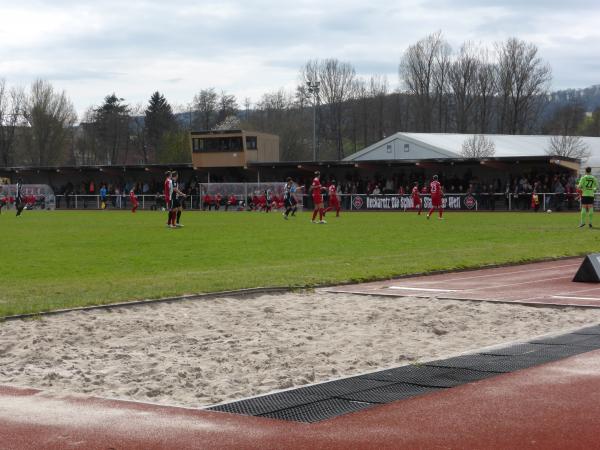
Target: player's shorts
{"points": [[317, 199], [334, 202], [587, 200], [288, 202], [416, 201], [436, 202], [175, 203]]}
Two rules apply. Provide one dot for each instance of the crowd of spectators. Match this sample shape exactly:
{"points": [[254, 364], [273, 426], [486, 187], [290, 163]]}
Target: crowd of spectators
{"points": [[518, 189]]}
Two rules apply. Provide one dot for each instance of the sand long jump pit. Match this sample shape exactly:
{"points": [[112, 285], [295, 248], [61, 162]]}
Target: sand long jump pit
{"points": [[196, 353]]}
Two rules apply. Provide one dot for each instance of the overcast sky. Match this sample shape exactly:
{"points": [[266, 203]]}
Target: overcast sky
{"points": [[247, 48]]}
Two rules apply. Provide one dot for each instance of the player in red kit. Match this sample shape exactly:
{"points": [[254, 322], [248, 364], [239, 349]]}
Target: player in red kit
{"points": [[436, 197], [317, 197], [334, 201], [168, 191], [134, 200], [416, 198]]}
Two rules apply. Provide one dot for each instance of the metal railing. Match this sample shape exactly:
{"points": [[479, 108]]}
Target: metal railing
{"points": [[349, 202]]}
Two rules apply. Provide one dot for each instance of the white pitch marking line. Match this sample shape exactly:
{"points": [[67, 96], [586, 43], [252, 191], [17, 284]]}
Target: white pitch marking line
{"points": [[575, 298], [423, 289]]}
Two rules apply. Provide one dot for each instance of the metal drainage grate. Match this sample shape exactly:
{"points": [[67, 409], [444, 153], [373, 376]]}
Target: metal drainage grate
{"points": [[314, 412], [326, 400], [589, 330], [268, 403], [428, 376], [585, 340], [485, 363], [388, 394]]}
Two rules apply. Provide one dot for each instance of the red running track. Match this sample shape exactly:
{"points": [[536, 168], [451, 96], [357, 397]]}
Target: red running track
{"points": [[556, 405], [547, 283]]}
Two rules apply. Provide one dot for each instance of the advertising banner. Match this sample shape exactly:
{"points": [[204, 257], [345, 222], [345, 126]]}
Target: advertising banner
{"points": [[404, 202]]}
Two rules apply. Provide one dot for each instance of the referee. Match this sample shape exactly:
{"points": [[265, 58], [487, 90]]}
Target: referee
{"points": [[587, 186], [19, 197]]}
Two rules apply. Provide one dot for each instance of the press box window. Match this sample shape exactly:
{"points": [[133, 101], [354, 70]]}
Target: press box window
{"points": [[251, 143]]}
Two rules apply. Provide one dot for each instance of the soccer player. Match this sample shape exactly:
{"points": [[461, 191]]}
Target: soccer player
{"points": [[334, 201], [588, 185], [268, 200], [19, 203], [416, 198], [436, 197], [317, 197], [288, 198], [177, 197], [168, 191], [103, 193], [134, 200]]}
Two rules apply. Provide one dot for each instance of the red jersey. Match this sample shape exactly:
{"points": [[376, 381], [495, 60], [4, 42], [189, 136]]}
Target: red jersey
{"points": [[232, 200], [436, 189], [415, 193], [316, 190], [132, 196], [332, 193], [168, 190]]}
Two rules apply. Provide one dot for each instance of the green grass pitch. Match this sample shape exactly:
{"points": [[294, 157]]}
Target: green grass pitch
{"points": [[63, 259]]}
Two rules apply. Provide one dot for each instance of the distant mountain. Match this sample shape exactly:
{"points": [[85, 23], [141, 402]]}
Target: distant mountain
{"points": [[588, 97]]}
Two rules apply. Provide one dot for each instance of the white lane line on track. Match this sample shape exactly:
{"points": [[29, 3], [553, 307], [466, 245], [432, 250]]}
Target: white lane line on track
{"points": [[576, 298]]}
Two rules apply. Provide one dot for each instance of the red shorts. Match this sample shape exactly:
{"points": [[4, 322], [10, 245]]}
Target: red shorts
{"points": [[416, 201], [436, 202], [168, 204], [317, 199], [334, 202]]}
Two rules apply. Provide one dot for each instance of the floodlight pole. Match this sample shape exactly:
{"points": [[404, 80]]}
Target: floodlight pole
{"points": [[313, 88]]}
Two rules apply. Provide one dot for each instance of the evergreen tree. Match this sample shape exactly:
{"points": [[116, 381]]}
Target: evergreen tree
{"points": [[159, 120]]}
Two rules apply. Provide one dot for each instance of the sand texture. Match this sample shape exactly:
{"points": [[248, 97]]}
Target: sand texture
{"points": [[196, 353]]}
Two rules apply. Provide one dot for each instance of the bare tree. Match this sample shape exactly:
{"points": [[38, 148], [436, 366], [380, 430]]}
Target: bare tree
{"points": [[440, 79], [205, 102], [227, 106], [11, 115], [378, 90], [463, 85], [487, 72], [568, 147], [478, 146], [49, 115], [336, 82], [523, 81], [417, 71], [87, 144]]}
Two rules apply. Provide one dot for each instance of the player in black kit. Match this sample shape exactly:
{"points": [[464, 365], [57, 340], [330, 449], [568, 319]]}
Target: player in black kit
{"points": [[19, 203]]}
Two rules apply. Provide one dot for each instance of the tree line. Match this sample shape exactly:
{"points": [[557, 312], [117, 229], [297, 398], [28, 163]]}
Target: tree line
{"points": [[473, 89]]}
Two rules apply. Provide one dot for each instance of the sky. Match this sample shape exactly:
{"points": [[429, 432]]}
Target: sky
{"points": [[91, 49]]}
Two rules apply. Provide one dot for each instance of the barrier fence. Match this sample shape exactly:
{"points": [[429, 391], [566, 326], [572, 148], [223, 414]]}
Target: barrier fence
{"points": [[348, 202], [250, 196]]}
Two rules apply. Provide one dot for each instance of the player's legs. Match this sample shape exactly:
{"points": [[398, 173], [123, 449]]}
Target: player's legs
{"points": [[20, 205], [135, 206], [321, 212], [179, 211]]}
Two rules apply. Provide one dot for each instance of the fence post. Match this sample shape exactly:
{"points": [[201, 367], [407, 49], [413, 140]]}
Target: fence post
{"points": [[76, 201], [143, 202], [509, 201]]}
